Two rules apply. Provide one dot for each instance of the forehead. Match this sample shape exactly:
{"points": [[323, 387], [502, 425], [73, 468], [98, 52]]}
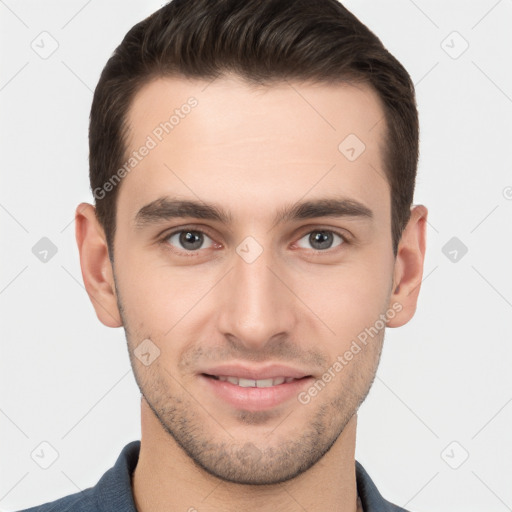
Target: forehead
{"points": [[229, 103], [226, 139]]}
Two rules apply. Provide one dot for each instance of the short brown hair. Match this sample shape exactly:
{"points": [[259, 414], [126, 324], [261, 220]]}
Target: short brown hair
{"points": [[262, 41]]}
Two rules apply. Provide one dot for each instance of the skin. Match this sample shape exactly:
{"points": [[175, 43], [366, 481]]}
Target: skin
{"points": [[252, 150]]}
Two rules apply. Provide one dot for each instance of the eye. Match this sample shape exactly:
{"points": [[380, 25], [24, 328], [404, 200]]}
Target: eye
{"points": [[321, 239], [191, 240]]}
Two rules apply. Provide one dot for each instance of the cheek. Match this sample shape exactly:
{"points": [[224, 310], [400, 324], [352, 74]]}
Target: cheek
{"points": [[346, 300], [160, 301]]}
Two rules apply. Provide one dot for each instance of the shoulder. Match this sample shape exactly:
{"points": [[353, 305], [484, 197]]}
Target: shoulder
{"points": [[83, 501], [371, 498], [111, 493]]}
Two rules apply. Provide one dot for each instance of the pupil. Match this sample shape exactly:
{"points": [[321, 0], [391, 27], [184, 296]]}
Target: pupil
{"points": [[191, 237], [322, 238]]}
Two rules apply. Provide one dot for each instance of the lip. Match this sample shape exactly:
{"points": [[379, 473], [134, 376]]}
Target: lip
{"points": [[254, 398], [256, 373]]}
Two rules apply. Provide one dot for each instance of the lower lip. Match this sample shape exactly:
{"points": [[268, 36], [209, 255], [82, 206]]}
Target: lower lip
{"points": [[255, 399]]}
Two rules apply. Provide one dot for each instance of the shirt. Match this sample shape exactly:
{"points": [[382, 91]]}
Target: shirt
{"points": [[113, 492]]}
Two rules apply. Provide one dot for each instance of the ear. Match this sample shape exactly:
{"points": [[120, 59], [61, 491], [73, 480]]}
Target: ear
{"points": [[96, 267], [408, 270]]}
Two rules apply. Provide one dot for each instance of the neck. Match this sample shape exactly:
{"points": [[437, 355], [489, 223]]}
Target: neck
{"points": [[167, 479]]}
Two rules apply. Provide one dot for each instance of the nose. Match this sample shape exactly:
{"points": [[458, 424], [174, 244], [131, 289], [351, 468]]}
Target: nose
{"points": [[257, 305]]}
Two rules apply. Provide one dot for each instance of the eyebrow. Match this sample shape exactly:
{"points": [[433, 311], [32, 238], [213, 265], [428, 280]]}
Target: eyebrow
{"points": [[166, 208]]}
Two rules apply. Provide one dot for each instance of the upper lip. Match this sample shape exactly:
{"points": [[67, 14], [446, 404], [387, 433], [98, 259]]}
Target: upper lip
{"points": [[271, 371]]}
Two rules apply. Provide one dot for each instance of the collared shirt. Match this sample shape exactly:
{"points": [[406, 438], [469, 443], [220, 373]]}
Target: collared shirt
{"points": [[113, 492]]}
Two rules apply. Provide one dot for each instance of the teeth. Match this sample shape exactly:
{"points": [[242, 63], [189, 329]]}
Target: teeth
{"points": [[246, 383], [265, 383], [252, 383]]}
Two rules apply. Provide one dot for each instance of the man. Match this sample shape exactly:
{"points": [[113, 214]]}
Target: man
{"points": [[253, 165]]}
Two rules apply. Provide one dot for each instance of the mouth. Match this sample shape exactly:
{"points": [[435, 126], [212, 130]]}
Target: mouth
{"points": [[253, 383], [254, 389]]}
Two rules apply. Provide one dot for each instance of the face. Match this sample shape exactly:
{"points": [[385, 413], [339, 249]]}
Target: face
{"points": [[278, 258]]}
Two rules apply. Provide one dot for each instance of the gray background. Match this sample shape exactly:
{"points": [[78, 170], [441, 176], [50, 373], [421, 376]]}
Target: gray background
{"points": [[443, 391]]}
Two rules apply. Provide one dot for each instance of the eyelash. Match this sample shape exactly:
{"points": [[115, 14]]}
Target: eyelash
{"points": [[164, 241]]}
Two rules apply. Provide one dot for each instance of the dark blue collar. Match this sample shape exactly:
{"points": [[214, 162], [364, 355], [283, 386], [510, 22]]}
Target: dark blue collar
{"points": [[113, 492]]}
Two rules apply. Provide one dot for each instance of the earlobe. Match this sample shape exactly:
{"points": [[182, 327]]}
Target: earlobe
{"points": [[96, 266], [408, 271]]}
